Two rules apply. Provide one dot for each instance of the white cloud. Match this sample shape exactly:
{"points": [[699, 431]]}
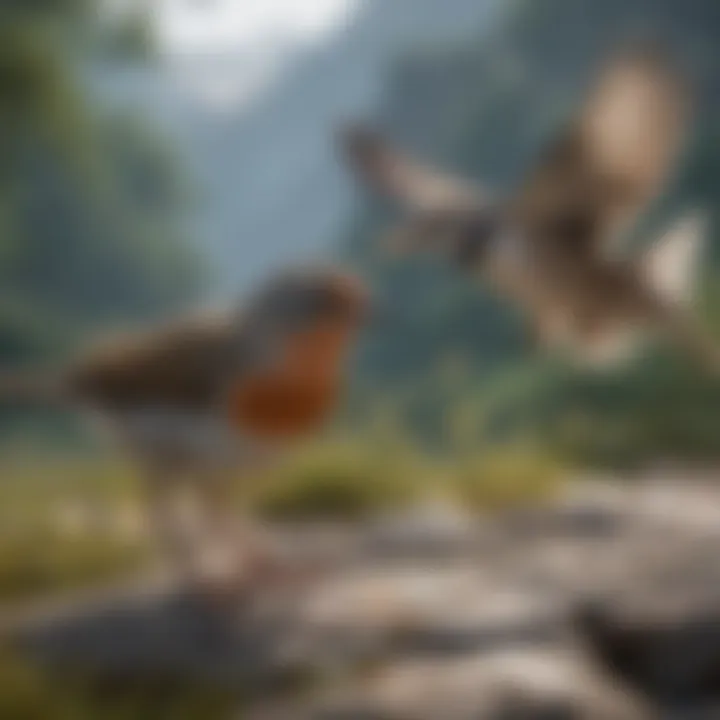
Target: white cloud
{"points": [[197, 25]]}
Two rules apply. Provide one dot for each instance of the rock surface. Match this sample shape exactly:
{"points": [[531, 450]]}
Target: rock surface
{"points": [[604, 605]]}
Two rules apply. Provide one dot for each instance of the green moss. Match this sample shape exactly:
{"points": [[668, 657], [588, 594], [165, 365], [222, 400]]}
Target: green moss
{"points": [[341, 480], [355, 480], [506, 476]]}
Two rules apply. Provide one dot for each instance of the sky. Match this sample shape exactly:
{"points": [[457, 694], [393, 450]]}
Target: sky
{"points": [[230, 25], [252, 41]]}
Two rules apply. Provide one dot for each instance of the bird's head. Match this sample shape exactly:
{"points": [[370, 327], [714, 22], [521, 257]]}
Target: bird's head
{"points": [[322, 310], [304, 323]]}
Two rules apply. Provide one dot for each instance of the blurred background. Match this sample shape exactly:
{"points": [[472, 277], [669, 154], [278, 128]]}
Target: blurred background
{"points": [[159, 156]]}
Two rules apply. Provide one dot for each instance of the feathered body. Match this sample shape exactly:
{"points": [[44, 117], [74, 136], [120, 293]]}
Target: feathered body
{"points": [[209, 398]]}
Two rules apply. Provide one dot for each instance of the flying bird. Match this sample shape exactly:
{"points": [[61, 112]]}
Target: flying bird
{"points": [[552, 246], [208, 398]]}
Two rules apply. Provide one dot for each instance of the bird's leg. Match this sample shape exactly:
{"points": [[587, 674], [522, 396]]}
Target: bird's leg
{"points": [[174, 534], [234, 554], [219, 559], [240, 556]]}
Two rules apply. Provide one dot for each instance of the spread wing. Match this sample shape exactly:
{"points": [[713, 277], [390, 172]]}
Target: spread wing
{"points": [[614, 158], [392, 173]]}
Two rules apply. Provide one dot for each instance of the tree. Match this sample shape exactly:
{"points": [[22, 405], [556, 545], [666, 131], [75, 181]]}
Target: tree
{"points": [[90, 203]]}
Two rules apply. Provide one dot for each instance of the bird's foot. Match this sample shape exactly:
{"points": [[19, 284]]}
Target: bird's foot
{"points": [[245, 579]]}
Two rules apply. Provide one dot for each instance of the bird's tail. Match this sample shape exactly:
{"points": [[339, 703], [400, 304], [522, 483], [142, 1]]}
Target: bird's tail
{"points": [[28, 387], [672, 268], [670, 271]]}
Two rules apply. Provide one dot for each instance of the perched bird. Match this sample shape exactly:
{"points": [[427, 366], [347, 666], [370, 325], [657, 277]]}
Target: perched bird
{"points": [[209, 398], [552, 245]]}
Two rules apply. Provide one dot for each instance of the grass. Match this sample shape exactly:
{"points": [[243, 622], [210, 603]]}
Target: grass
{"points": [[351, 480], [61, 525], [341, 480], [29, 693], [506, 477], [38, 564], [64, 521]]}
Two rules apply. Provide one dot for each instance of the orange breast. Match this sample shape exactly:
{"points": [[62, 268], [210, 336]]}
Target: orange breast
{"points": [[297, 395]]}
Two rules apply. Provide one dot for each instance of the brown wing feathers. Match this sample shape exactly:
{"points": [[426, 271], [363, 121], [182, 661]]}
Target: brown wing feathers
{"points": [[185, 366], [614, 158]]}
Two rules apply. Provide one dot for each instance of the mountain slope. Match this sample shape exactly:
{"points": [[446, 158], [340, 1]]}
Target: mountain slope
{"points": [[270, 188]]}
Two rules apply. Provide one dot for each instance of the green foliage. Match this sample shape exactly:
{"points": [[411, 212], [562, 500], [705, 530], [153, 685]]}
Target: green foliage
{"points": [[91, 205]]}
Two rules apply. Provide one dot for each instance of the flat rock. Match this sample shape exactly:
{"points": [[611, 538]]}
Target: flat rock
{"points": [[603, 605]]}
